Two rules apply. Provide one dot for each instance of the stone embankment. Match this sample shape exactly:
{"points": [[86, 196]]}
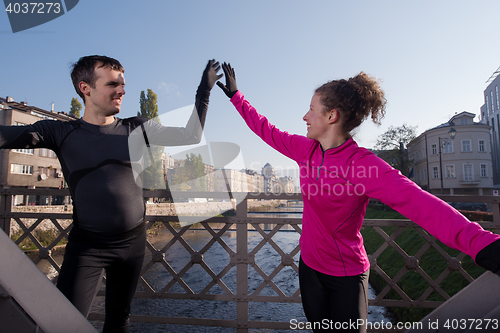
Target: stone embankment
{"points": [[46, 224], [183, 209]]}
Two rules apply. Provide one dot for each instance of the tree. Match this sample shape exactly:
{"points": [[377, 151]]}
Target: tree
{"points": [[75, 108], [190, 175], [153, 176], [196, 169], [148, 105], [392, 145]]}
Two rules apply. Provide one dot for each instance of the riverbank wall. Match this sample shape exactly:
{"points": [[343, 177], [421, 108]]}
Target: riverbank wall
{"points": [[168, 209]]}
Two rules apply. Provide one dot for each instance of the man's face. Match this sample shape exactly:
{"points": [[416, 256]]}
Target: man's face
{"points": [[106, 97]]}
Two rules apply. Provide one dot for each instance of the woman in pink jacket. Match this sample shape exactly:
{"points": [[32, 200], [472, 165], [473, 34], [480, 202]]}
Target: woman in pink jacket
{"points": [[337, 178]]}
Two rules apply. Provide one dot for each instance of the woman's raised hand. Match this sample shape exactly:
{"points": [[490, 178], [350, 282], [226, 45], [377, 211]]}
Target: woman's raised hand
{"points": [[230, 88]]}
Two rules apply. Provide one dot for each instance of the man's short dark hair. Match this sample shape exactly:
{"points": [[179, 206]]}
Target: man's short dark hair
{"points": [[84, 70]]}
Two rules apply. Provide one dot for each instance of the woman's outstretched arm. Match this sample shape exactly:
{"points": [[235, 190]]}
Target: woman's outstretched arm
{"points": [[290, 145]]}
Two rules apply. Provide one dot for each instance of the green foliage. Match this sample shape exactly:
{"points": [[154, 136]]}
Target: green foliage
{"points": [[394, 136], [413, 284], [190, 176], [392, 145], [45, 237], [75, 108], [153, 177], [148, 105], [380, 213]]}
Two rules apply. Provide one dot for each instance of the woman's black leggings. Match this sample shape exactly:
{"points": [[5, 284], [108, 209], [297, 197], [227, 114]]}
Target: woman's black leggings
{"points": [[332, 302], [85, 258]]}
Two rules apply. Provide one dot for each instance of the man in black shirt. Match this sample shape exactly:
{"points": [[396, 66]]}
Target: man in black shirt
{"points": [[108, 207]]}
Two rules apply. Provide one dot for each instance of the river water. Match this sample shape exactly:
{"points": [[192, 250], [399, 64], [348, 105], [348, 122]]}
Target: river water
{"points": [[217, 259]]}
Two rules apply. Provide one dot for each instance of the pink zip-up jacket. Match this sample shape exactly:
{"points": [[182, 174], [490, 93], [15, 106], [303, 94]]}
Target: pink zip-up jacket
{"points": [[336, 185]]}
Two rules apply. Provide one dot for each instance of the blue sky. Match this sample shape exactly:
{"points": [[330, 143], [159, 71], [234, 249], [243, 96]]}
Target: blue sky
{"points": [[433, 58]]}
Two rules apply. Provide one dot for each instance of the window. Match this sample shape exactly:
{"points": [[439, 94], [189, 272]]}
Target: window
{"points": [[484, 170], [463, 121], [466, 146], [487, 105], [423, 173], [44, 152], [481, 146], [496, 92], [435, 172], [468, 175], [448, 147], [450, 171], [434, 149], [492, 106], [41, 115], [16, 123], [21, 169], [24, 151], [49, 172]]}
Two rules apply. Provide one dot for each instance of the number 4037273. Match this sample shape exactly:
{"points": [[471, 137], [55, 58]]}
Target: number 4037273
{"points": [[33, 7], [472, 324]]}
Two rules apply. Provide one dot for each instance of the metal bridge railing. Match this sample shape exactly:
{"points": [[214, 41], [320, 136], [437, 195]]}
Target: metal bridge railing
{"points": [[230, 282]]}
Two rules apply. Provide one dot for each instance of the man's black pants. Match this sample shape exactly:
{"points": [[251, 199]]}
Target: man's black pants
{"points": [[121, 256]]}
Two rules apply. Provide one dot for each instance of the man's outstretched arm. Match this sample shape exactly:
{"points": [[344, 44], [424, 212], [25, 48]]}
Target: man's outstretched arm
{"points": [[37, 135], [192, 133]]}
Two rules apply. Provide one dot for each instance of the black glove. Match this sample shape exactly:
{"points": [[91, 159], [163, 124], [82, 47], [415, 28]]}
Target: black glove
{"points": [[203, 93], [489, 257], [230, 88], [209, 77]]}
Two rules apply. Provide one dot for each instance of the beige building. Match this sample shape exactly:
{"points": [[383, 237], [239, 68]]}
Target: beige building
{"points": [[461, 165], [271, 180], [255, 182], [236, 180], [29, 168], [239, 181], [275, 184], [287, 184]]}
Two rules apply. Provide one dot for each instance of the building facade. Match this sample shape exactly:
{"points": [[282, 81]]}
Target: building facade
{"points": [[276, 184], [490, 115], [236, 180], [287, 184], [459, 166], [255, 182], [271, 180], [29, 168]]}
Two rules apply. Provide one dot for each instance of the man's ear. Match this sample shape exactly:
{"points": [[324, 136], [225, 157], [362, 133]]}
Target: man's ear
{"points": [[333, 116], [84, 88]]}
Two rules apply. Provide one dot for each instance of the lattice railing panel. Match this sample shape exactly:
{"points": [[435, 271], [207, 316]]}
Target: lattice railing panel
{"points": [[286, 260], [44, 238], [411, 250], [183, 256], [185, 267]]}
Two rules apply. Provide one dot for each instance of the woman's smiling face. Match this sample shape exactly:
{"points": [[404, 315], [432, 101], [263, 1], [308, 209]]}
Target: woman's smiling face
{"points": [[316, 119]]}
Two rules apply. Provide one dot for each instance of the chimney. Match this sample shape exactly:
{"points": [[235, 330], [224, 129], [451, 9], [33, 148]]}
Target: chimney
{"points": [[10, 99]]}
